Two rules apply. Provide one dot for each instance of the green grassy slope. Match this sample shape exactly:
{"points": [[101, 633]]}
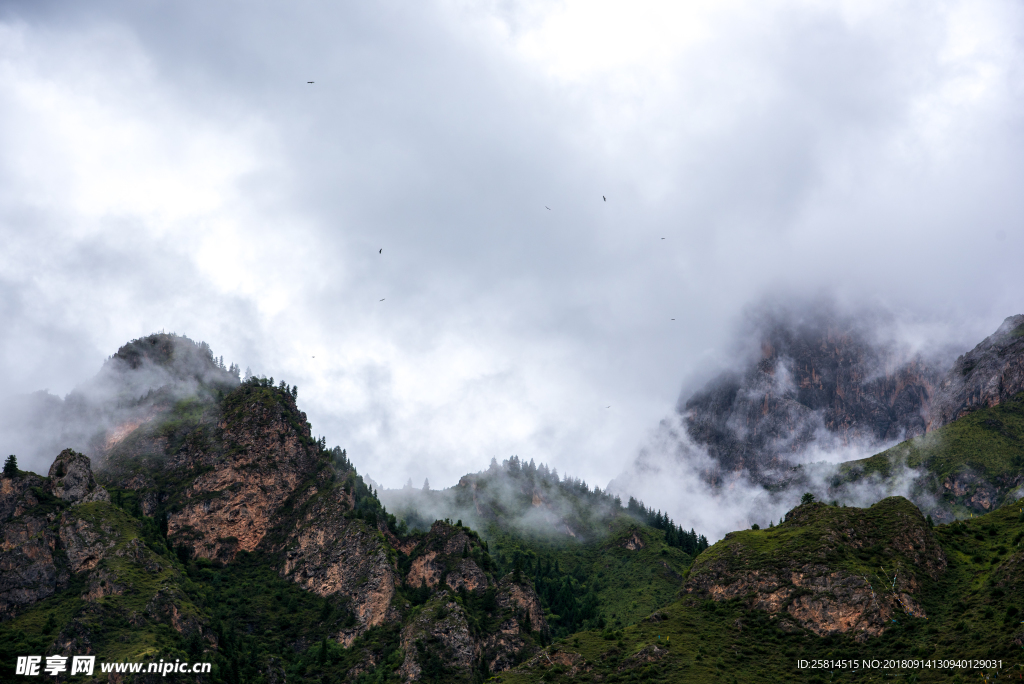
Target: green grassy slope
{"points": [[623, 579], [971, 465], [974, 613]]}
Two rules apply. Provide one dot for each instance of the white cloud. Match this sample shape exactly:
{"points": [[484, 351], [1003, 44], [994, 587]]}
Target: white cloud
{"points": [[169, 167]]}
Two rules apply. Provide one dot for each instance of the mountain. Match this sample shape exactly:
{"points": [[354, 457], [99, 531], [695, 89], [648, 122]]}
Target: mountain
{"points": [[593, 560], [823, 383], [216, 528], [986, 376], [143, 378], [968, 467], [206, 523], [832, 594]]}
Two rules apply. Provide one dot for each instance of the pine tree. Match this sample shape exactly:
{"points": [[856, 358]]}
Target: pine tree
{"points": [[11, 466]]}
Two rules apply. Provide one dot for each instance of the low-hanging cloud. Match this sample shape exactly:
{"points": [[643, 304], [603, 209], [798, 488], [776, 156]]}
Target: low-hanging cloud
{"points": [[167, 166], [672, 474], [145, 378]]}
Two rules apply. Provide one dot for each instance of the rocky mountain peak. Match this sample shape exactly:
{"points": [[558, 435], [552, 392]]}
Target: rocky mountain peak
{"points": [[819, 380], [987, 375], [163, 359]]}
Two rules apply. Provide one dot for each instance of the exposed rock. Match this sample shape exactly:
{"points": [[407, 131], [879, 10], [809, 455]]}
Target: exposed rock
{"points": [[987, 375], [438, 553], [28, 569], [231, 507], [818, 380], [71, 479], [467, 575], [571, 664], [814, 593], [86, 541], [439, 639], [426, 569], [633, 542], [450, 559], [645, 656], [330, 554], [521, 598]]}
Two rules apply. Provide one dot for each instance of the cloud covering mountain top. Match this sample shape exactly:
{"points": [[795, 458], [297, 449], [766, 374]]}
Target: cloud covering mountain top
{"points": [[380, 238]]}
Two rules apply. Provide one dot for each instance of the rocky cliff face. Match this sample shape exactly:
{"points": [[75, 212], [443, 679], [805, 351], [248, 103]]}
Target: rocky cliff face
{"points": [[64, 528], [214, 468], [821, 383], [332, 553], [45, 541], [987, 375], [823, 568], [29, 571], [474, 621], [261, 453]]}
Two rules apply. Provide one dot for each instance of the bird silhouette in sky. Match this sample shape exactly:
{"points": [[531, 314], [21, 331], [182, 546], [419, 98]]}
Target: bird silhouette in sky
{"points": [[604, 198], [382, 300], [547, 207], [308, 81], [380, 251], [607, 406]]}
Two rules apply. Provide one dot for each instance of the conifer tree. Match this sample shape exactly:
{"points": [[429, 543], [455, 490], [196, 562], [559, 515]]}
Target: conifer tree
{"points": [[11, 466]]}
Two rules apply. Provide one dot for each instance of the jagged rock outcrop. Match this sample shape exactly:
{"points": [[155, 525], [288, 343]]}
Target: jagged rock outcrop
{"points": [[819, 567], [452, 561], [435, 557], [220, 472], [987, 375], [825, 382], [75, 530], [71, 479], [331, 553], [201, 468], [41, 539], [439, 640], [522, 600], [28, 569], [267, 454]]}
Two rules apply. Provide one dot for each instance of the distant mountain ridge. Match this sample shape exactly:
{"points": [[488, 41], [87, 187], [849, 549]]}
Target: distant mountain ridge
{"points": [[821, 384]]}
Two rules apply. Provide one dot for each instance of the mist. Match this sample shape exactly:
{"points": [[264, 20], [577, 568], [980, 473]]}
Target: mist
{"points": [[494, 228], [513, 497], [130, 389], [806, 385]]}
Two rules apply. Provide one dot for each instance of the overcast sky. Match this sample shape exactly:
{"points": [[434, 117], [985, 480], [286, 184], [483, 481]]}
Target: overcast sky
{"points": [[166, 166]]}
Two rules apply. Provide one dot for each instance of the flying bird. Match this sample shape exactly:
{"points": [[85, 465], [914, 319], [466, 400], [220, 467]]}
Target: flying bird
{"points": [[382, 300], [547, 207], [607, 406], [308, 81], [380, 251], [604, 198]]}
